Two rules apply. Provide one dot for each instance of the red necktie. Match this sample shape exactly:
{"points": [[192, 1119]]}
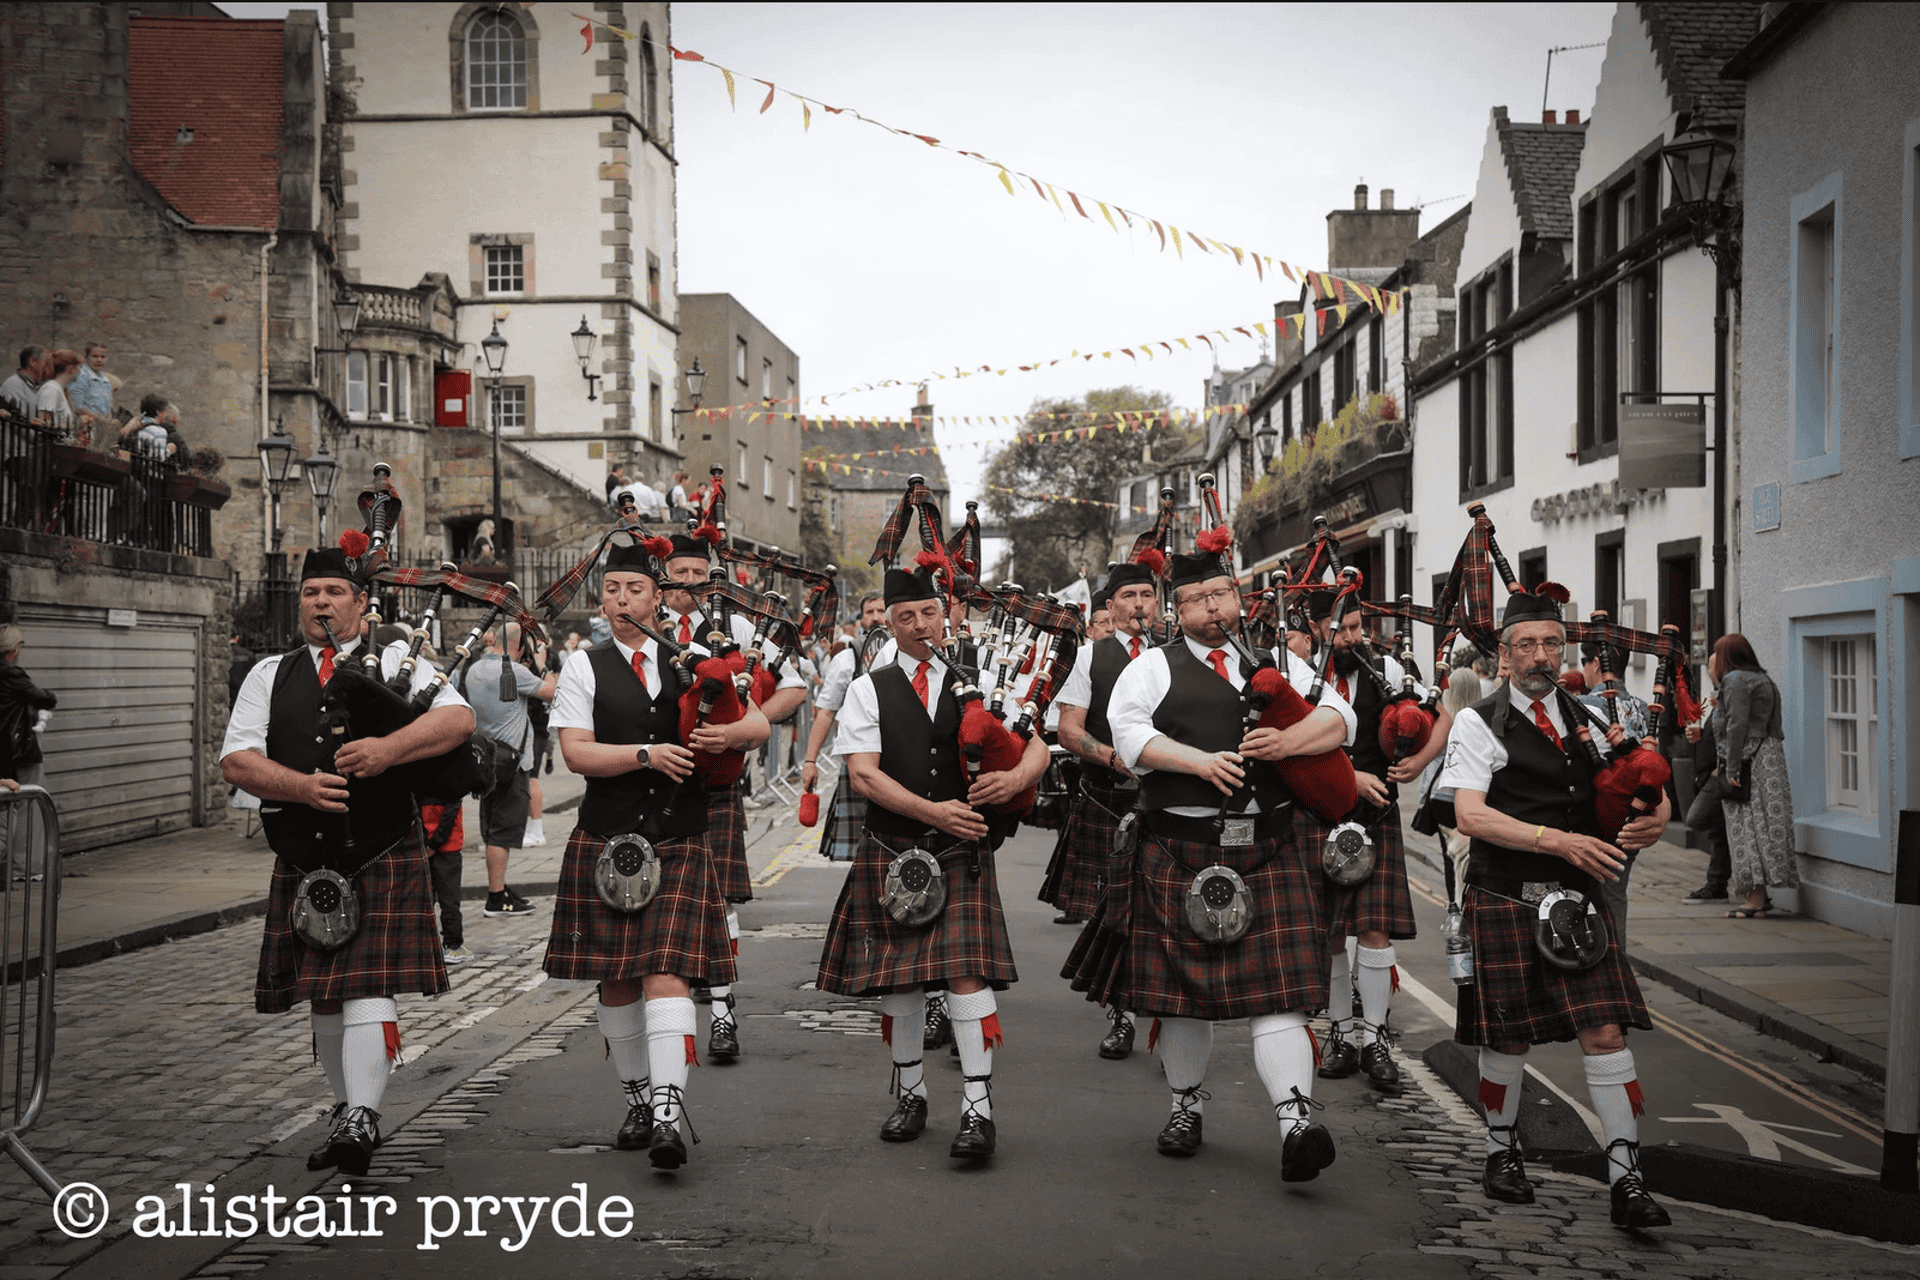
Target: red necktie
{"points": [[1218, 657], [1136, 649], [1341, 685], [686, 629], [326, 664], [920, 684], [1545, 725], [640, 667]]}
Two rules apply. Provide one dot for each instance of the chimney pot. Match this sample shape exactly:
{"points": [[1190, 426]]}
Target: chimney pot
{"points": [[1551, 117], [1360, 196], [1386, 197], [1573, 117]]}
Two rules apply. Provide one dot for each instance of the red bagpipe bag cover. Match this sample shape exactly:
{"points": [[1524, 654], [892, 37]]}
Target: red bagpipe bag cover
{"points": [[1408, 720], [1617, 781], [721, 770], [1000, 751], [1323, 784]]}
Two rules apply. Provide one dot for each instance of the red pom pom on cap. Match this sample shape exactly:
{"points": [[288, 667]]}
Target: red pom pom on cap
{"points": [[1553, 591], [1153, 558], [1214, 540], [657, 546], [355, 543], [710, 532], [809, 809]]}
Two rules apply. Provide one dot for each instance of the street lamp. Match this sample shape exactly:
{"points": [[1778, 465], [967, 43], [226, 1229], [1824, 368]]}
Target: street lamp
{"points": [[583, 340], [1265, 437], [346, 313], [1700, 163], [493, 348], [696, 380], [276, 460], [322, 471]]}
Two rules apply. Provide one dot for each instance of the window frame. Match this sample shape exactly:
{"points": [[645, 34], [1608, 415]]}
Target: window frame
{"points": [[352, 382], [522, 397], [1910, 292], [742, 476], [1812, 615], [740, 360], [466, 22], [1862, 719], [516, 254], [1807, 342], [649, 87], [1486, 439]]}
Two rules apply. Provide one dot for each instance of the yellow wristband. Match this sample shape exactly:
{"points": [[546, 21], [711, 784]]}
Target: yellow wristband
{"points": [[1539, 831]]}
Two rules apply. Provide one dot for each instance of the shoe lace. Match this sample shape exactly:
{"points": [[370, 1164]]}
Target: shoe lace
{"points": [[970, 1116], [1337, 1031], [1508, 1135], [636, 1091], [676, 1099], [893, 1087], [360, 1123], [1300, 1102], [936, 1014], [1382, 1033], [1630, 1183], [1185, 1117]]}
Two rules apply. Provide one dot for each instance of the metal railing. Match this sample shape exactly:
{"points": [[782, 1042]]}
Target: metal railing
{"points": [[52, 484], [29, 913]]}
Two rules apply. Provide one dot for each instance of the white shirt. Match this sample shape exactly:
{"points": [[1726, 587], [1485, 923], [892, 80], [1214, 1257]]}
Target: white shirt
{"points": [[833, 690], [573, 695], [859, 723], [247, 726], [790, 677], [1078, 690], [1474, 755]]}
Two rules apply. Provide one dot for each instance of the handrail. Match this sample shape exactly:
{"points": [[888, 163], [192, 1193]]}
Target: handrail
{"points": [[30, 834]]}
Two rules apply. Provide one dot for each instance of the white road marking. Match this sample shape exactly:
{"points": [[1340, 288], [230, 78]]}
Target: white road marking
{"points": [[1761, 1137]]}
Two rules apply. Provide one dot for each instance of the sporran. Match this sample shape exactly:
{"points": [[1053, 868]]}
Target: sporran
{"points": [[915, 891], [326, 911], [1219, 907], [627, 874], [1347, 858], [1571, 933]]}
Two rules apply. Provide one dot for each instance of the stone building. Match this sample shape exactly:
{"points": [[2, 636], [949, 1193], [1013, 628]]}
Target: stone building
{"points": [[859, 499], [750, 426], [1829, 431]]}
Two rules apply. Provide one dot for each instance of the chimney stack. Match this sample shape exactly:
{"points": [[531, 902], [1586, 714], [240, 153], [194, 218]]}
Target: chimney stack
{"points": [[1551, 117], [1370, 239], [1386, 199], [1573, 117], [1360, 197]]}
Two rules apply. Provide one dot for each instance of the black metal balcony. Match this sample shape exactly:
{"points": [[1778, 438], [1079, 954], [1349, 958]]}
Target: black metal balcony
{"points": [[52, 485]]}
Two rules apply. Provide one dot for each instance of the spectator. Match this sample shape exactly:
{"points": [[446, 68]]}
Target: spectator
{"points": [[170, 419], [496, 689], [58, 371], [93, 387], [1632, 711], [24, 710], [239, 662], [616, 481], [573, 641], [1753, 778], [1706, 816], [481, 549], [21, 392], [537, 714], [147, 434], [678, 504]]}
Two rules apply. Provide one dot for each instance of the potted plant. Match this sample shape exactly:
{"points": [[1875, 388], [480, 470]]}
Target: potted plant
{"points": [[197, 483], [73, 459]]}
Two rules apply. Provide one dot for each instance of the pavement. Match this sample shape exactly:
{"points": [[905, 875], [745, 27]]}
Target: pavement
{"points": [[1819, 987]]}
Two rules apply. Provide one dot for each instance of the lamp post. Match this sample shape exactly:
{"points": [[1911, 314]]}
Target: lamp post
{"points": [[583, 340], [494, 349], [1264, 438], [346, 318], [696, 380], [1700, 162], [276, 460], [322, 471]]}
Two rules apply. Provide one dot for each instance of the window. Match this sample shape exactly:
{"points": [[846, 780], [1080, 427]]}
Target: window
{"points": [[1609, 571], [381, 406], [1312, 411], [1619, 327], [1376, 355], [1813, 368], [1533, 567], [357, 385], [740, 360], [1344, 387], [508, 404], [1852, 724], [766, 478], [649, 87], [656, 425], [740, 471], [1486, 386], [1910, 299], [1286, 417], [793, 396], [403, 398], [766, 379], [496, 63], [506, 268], [653, 282], [793, 490]]}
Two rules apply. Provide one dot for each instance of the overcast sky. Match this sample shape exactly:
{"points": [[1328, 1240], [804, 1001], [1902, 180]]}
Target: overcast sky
{"points": [[874, 256]]}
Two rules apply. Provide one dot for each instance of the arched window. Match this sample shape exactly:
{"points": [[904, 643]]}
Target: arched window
{"points": [[496, 63], [649, 85]]}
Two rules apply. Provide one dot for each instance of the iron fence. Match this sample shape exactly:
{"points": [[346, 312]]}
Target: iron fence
{"points": [[50, 483], [29, 914]]}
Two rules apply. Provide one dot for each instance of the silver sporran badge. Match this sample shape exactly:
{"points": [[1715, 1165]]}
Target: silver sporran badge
{"points": [[1219, 908], [1347, 857], [326, 911], [915, 892], [1570, 933], [627, 875]]}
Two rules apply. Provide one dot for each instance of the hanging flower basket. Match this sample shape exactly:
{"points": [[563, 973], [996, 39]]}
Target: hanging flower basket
{"points": [[79, 463], [198, 491]]}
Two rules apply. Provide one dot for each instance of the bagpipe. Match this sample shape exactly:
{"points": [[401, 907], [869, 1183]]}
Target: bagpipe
{"points": [[1323, 784], [1154, 548], [708, 696]]}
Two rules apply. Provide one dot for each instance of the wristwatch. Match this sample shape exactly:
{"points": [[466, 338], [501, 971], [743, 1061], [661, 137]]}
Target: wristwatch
{"points": [[644, 754]]}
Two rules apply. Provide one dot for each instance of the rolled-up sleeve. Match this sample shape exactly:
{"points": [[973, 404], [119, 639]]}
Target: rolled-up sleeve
{"points": [[858, 728], [573, 694], [1136, 695], [247, 726], [1473, 754]]}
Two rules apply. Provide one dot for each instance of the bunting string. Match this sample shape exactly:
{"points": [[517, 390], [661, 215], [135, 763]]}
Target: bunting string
{"points": [[829, 467]]}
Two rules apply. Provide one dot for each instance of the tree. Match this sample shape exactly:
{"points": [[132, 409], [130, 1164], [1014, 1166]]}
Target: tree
{"points": [[1054, 541]]}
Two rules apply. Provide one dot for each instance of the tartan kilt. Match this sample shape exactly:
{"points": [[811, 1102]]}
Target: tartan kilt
{"points": [[727, 842], [846, 821], [683, 931], [1097, 963], [1383, 901], [1518, 998], [397, 949], [1089, 842], [866, 953], [1280, 966]]}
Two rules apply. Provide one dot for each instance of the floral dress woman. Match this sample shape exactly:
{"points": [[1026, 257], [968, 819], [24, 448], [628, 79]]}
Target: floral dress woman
{"points": [[1746, 725]]}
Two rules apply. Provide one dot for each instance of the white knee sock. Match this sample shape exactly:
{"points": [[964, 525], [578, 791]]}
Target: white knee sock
{"points": [[1375, 981], [625, 1028], [1339, 993], [1185, 1046], [903, 1010], [670, 1029], [971, 1032], [363, 1049], [1500, 1077], [328, 1028], [1614, 1087], [1283, 1055]]}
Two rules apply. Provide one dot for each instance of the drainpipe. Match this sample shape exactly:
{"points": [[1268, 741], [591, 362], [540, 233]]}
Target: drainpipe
{"points": [[266, 251]]}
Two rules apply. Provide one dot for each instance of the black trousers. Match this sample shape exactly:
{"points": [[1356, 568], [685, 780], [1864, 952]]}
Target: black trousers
{"points": [[1708, 818], [445, 870]]}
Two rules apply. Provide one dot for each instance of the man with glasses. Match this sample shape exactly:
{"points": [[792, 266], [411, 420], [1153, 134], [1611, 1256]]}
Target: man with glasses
{"points": [[1523, 792], [1217, 817]]}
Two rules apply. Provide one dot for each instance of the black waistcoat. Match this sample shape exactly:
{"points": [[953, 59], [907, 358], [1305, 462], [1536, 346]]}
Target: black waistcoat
{"points": [[1206, 713], [1541, 785], [626, 712], [1110, 658], [382, 809], [921, 755], [1365, 751]]}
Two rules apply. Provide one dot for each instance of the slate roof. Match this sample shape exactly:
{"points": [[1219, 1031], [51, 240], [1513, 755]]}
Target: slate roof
{"points": [[1542, 160], [872, 443], [223, 80], [1691, 43]]}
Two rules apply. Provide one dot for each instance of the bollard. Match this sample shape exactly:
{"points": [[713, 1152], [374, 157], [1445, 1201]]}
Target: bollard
{"points": [[1900, 1141]]}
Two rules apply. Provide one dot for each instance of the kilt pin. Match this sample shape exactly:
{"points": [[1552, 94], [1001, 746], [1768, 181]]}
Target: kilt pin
{"points": [[683, 931], [397, 948]]}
